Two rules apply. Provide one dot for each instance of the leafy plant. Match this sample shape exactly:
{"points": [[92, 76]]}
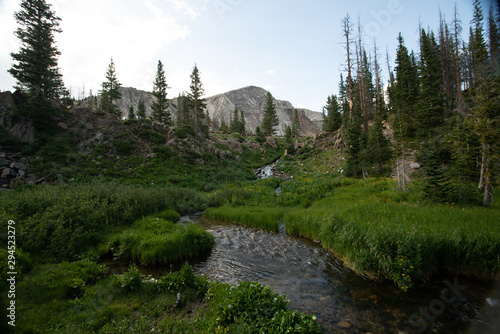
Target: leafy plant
{"points": [[131, 280]]}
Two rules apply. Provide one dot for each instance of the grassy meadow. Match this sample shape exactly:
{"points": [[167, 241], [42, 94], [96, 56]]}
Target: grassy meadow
{"points": [[375, 229]]}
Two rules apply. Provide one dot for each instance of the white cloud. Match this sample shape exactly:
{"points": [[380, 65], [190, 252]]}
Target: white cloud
{"points": [[271, 72], [134, 35], [184, 8]]}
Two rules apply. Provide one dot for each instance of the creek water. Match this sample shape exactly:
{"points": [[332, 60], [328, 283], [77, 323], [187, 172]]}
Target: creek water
{"points": [[315, 282]]}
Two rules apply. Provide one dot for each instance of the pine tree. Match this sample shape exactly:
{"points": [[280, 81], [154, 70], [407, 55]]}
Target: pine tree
{"points": [[289, 140], [131, 113], [141, 110], [159, 108], [243, 123], [110, 91], [429, 114], [235, 122], [437, 187], [223, 127], [378, 150], [333, 118], [353, 146], [270, 119], [36, 70], [197, 103], [477, 43], [296, 124], [494, 38], [404, 92], [486, 110], [260, 136]]}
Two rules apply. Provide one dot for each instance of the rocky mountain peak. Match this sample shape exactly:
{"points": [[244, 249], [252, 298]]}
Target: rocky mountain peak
{"points": [[250, 100]]}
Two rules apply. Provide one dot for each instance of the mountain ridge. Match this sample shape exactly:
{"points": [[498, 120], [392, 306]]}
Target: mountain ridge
{"points": [[250, 100]]}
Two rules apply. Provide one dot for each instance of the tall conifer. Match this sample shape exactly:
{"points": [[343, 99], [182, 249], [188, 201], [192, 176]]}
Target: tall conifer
{"points": [[35, 68]]}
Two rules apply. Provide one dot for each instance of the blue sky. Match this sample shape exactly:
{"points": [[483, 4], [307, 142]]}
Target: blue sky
{"points": [[293, 48]]}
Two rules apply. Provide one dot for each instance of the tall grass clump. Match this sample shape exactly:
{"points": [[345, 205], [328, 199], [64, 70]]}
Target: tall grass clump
{"points": [[59, 222], [262, 217], [153, 240], [399, 236]]}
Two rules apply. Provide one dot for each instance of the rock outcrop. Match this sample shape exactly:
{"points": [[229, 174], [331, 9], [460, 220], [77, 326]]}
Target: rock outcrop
{"points": [[20, 129], [251, 101]]}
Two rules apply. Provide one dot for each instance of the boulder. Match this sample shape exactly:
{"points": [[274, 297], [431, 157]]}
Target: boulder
{"points": [[7, 100], [271, 142], [415, 165]]}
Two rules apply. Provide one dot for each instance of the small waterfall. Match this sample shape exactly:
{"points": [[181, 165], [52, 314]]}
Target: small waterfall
{"points": [[266, 171]]}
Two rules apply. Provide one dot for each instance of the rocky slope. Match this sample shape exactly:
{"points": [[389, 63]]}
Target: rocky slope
{"points": [[250, 100]]}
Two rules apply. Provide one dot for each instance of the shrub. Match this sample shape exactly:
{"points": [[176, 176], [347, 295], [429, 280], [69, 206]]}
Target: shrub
{"points": [[169, 215], [253, 308], [131, 280], [182, 281], [152, 136], [183, 131]]}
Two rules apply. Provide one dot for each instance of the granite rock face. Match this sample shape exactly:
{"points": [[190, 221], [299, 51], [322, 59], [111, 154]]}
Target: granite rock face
{"points": [[251, 101]]}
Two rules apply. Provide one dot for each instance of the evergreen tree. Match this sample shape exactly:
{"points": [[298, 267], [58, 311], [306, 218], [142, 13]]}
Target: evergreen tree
{"points": [[243, 123], [332, 120], [289, 140], [437, 186], [36, 70], [343, 97], [184, 112], [131, 113], [197, 103], [159, 108], [354, 138], [235, 121], [429, 115], [260, 136], [404, 92], [270, 119], [141, 110], [223, 127], [378, 150], [296, 124], [110, 91], [494, 38], [477, 43]]}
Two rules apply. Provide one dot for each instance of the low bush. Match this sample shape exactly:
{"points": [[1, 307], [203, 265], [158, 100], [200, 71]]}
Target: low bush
{"points": [[253, 308], [152, 136]]}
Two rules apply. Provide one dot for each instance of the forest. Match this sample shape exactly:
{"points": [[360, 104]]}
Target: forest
{"points": [[441, 102]]}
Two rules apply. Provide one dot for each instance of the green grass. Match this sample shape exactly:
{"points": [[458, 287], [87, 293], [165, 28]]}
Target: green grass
{"points": [[129, 304], [153, 241], [376, 230], [61, 222], [262, 217]]}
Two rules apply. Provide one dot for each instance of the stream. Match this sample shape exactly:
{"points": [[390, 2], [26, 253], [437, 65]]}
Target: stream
{"points": [[315, 282]]}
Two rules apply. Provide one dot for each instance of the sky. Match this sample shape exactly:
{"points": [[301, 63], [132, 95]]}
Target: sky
{"points": [[293, 48]]}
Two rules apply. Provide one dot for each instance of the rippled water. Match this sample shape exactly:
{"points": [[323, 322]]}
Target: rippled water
{"points": [[343, 302]]}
